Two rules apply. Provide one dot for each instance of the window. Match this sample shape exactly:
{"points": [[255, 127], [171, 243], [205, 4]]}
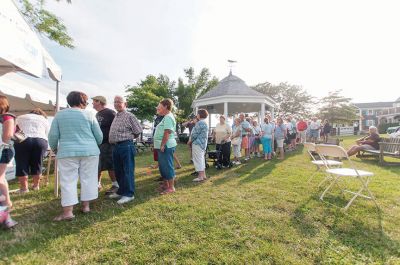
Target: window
{"points": [[370, 122]]}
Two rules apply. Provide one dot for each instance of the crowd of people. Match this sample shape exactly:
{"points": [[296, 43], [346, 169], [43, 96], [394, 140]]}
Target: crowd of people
{"points": [[86, 144]]}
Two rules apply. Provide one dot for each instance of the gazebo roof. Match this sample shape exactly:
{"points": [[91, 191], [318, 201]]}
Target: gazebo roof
{"points": [[231, 85]]}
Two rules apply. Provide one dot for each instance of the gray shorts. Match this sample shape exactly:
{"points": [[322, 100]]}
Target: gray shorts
{"points": [[367, 147], [105, 158]]}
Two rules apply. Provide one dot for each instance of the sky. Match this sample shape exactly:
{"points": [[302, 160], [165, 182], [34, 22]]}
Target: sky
{"points": [[320, 45]]}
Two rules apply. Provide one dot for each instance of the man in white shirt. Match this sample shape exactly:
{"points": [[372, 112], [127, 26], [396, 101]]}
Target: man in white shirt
{"points": [[314, 129]]}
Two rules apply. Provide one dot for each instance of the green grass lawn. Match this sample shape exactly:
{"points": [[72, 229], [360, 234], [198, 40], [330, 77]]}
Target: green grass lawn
{"points": [[256, 213]]}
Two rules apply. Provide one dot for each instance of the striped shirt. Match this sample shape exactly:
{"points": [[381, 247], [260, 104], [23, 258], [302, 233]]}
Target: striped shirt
{"points": [[125, 126]]}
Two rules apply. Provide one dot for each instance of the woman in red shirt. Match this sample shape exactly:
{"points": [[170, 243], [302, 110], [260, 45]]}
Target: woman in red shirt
{"points": [[6, 155]]}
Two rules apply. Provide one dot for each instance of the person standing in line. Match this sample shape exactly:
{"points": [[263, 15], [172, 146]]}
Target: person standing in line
{"points": [[326, 131], [245, 139], [165, 144], [7, 154], [222, 136], [190, 125], [236, 141], [314, 130], [302, 129], [157, 120], [75, 136], [198, 141], [105, 117], [30, 153], [267, 132], [124, 129], [280, 136], [291, 132], [257, 138]]}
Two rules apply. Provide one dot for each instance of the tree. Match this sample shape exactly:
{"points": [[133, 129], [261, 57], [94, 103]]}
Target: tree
{"points": [[195, 87], [291, 99], [143, 98], [45, 22], [337, 109]]}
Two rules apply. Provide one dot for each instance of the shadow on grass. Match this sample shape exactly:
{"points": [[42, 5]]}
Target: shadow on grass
{"points": [[35, 211], [343, 227]]}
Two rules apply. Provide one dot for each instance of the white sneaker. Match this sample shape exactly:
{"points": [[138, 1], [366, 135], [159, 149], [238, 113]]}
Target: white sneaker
{"points": [[114, 196], [125, 199], [238, 163], [198, 180]]}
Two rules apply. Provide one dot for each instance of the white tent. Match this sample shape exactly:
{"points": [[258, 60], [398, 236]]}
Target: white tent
{"points": [[22, 51], [25, 94]]}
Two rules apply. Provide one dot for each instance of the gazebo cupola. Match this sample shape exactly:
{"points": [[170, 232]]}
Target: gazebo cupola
{"points": [[231, 96]]}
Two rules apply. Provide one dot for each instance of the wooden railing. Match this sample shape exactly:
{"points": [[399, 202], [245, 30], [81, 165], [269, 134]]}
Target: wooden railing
{"points": [[388, 111]]}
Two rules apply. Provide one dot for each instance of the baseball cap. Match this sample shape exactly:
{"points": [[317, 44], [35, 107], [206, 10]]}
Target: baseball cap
{"points": [[101, 99]]}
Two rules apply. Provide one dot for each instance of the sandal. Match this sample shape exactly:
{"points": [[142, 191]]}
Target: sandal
{"points": [[167, 191], [63, 218], [85, 211]]}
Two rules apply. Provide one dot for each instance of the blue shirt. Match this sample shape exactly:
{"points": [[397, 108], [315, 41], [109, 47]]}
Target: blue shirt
{"points": [[199, 134], [267, 130], [245, 125], [280, 132], [75, 132]]}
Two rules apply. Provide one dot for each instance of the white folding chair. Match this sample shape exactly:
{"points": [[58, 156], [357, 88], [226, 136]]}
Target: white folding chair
{"points": [[336, 174], [319, 163]]}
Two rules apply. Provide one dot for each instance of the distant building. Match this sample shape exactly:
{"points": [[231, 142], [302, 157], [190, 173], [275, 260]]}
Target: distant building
{"points": [[376, 113]]}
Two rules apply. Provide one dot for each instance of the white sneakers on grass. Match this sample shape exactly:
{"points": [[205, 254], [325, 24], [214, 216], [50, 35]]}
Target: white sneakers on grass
{"points": [[125, 199]]}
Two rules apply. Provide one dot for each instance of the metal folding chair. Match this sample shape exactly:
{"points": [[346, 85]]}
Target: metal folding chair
{"points": [[319, 163], [363, 177]]}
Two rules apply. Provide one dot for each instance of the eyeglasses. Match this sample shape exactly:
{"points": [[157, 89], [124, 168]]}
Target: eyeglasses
{"points": [[118, 102]]}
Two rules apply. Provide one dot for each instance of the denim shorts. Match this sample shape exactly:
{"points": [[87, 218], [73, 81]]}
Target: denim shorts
{"points": [[6, 156]]}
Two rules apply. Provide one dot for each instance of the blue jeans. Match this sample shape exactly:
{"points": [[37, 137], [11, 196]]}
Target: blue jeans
{"points": [[166, 163], [124, 167]]}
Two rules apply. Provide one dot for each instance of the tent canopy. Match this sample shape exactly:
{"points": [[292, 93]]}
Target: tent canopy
{"points": [[20, 47], [25, 94]]}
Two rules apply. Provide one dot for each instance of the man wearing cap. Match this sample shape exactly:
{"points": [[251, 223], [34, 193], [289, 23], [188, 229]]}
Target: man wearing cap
{"points": [[105, 117], [124, 129]]}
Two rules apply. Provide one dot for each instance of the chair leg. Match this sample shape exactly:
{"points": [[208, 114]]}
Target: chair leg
{"points": [[328, 188], [312, 176]]}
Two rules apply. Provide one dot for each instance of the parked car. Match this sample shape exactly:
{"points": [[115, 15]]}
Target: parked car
{"points": [[392, 129]]}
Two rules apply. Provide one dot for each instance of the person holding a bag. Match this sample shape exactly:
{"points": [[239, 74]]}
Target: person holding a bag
{"points": [[7, 155], [29, 153], [222, 136]]}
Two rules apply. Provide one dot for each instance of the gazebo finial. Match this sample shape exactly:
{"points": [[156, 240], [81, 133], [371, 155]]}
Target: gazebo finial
{"points": [[231, 62]]}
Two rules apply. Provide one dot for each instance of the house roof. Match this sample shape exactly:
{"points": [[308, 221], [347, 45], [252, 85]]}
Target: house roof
{"points": [[372, 105], [231, 85]]}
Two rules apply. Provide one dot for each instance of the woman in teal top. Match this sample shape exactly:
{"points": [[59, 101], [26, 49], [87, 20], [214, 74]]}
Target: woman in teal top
{"points": [[165, 143], [75, 135]]}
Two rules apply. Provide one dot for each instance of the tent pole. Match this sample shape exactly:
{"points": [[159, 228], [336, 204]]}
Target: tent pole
{"points": [[56, 178]]}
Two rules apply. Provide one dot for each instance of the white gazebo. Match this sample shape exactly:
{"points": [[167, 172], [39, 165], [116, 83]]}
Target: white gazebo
{"points": [[232, 96]]}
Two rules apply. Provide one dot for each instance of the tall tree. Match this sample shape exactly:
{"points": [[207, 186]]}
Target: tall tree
{"points": [[194, 87], [145, 96], [291, 99], [45, 22], [337, 109]]}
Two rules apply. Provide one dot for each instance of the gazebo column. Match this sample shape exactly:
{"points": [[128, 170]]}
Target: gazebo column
{"points": [[209, 123], [262, 113], [226, 110], [272, 113]]}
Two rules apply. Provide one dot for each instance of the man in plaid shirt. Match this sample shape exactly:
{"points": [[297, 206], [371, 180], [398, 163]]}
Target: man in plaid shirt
{"points": [[124, 129]]}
